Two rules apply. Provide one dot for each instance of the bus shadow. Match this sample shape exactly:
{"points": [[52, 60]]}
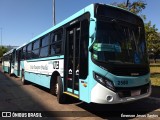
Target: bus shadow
{"points": [[142, 107], [13, 75], [155, 91], [69, 99], [13, 96], [17, 97]]}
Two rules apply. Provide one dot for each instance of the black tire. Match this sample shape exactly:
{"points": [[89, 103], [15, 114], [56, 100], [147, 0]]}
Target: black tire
{"points": [[53, 89], [23, 78], [61, 97], [8, 71]]}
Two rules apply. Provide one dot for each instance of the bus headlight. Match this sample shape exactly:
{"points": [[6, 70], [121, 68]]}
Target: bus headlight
{"points": [[104, 81]]}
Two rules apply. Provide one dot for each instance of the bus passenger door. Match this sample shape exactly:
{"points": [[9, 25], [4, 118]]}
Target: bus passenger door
{"points": [[12, 62], [18, 62], [71, 81]]}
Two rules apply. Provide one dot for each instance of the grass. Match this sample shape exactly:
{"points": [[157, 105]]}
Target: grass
{"points": [[155, 75]]}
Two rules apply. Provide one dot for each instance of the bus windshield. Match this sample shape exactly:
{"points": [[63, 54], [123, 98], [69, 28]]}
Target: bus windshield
{"points": [[120, 42]]}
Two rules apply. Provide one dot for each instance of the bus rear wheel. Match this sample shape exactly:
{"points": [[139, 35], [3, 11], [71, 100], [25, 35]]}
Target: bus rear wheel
{"points": [[61, 97], [23, 78]]}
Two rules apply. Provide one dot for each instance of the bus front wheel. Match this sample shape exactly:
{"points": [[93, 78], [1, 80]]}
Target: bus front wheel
{"points": [[61, 97]]}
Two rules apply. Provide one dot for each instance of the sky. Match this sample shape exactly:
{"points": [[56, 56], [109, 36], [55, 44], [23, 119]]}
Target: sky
{"points": [[21, 20]]}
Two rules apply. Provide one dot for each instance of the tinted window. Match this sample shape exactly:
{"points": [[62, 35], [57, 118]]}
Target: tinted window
{"points": [[56, 48], [112, 12], [17, 55], [29, 55], [35, 53], [84, 49], [24, 49], [52, 37], [57, 36], [36, 45], [124, 43], [45, 41], [56, 42], [44, 51], [29, 47], [24, 53]]}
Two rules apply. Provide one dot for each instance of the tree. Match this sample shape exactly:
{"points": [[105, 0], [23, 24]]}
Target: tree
{"points": [[153, 39], [134, 7], [2, 50]]}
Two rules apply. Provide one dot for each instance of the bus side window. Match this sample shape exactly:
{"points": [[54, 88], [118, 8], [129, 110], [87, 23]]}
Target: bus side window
{"points": [[24, 53], [56, 42], [35, 51], [44, 46], [84, 49], [29, 51], [17, 53]]}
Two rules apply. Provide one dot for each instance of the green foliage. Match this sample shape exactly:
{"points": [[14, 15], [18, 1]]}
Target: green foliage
{"points": [[2, 50], [153, 38], [134, 7]]}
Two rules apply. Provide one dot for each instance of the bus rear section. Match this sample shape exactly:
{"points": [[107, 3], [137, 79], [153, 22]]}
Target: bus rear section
{"points": [[8, 60]]}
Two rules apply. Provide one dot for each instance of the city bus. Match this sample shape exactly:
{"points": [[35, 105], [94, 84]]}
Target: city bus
{"points": [[97, 55], [8, 61]]}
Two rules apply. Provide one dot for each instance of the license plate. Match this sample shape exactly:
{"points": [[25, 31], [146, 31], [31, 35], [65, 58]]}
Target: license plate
{"points": [[135, 92]]}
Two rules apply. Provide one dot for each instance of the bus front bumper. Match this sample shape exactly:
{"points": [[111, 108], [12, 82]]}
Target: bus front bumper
{"points": [[102, 95]]}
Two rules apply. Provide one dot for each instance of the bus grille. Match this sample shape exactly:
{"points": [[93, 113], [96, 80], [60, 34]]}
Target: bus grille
{"points": [[126, 92], [128, 71]]}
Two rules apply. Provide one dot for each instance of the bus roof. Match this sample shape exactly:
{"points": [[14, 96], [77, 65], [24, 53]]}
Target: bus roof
{"points": [[9, 52], [21, 46]]}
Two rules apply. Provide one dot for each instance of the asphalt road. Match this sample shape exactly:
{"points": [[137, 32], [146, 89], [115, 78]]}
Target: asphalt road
{"points": [[15, 97]]}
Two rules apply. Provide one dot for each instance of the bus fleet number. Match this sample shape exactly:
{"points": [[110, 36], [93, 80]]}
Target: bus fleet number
{"points": [[123, 82], [55, 64]]}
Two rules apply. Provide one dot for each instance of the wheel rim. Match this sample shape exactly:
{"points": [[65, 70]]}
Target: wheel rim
{"points": [[56, 89]]}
